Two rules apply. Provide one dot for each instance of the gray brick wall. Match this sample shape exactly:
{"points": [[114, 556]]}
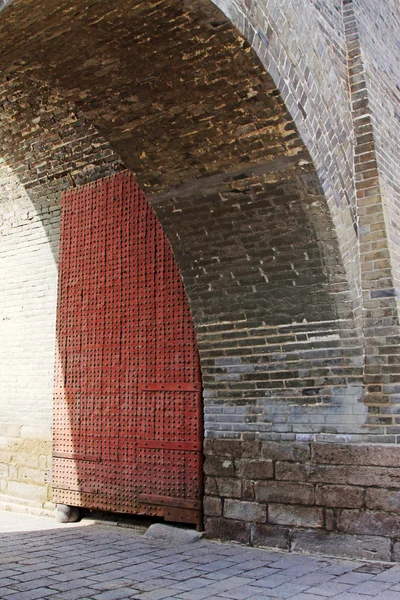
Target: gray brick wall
{"points": [[310, 72], [378, 26], [28, 291]]}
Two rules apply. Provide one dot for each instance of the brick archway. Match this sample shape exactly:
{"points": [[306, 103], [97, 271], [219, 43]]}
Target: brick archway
{"points": [[223, 165], [265, 240]]}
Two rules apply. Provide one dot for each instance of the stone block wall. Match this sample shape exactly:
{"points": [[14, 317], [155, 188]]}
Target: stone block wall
{"points": [[310, 497]]}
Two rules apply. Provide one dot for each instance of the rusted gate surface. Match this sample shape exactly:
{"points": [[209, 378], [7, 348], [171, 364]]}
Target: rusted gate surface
{"points": [[127, 414]]}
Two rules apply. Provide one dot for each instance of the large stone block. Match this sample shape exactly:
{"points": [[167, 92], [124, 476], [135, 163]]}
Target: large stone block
{"points": [[29, 491], [329, 521], [212, 507], [210, 486], [220, 467], [228, 448], [245, 511], [254, 468], [368, 547], [284, 492], [271, 536], [385, 500], [396, 551], [248, 489], [297, 516], [342, 496], [291, 451], [357, 454], [368, 522], [228, 488], [338, 474], [227, 530], [251, 449]]}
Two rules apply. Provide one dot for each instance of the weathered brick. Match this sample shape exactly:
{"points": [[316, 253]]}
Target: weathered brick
{"points": [[368, 522], [212, 506], [270, 536], [284, 493], [245, 511], [254, 469], [298, 516], [357, 454], [385, 500], [296, 452], [344, 496]]}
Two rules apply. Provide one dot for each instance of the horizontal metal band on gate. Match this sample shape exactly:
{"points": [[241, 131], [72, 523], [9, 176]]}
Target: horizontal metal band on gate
{"points": [[82, 389], [169, 501], [143, 387], [76, 488], [169, 387], [86, 457], [185, 446]]}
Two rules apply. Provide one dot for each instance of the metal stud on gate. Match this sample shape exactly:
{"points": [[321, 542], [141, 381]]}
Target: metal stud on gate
{"points": [[127, 408]]}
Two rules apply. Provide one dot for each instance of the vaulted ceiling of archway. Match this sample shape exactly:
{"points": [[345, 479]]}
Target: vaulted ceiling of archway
{"points": [[185, 103], [170, 84], [171, 87]]}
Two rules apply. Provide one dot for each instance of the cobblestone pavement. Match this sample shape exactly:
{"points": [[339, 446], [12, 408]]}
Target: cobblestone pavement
{"points": [[89, 561]]}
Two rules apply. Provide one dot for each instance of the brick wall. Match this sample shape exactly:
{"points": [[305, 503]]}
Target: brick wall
{"points": [[175, 138], [377, 244], [337, 499], [276, 183], [28, 237], [280, 359], [378, 26], [260, 250], [311, 73], [50, 148]]}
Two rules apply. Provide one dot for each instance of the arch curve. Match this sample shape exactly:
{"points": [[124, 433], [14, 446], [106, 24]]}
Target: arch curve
{"points": [[178, 95]]}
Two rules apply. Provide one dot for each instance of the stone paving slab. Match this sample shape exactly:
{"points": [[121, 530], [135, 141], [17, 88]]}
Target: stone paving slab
{"points": [[44, 560]]}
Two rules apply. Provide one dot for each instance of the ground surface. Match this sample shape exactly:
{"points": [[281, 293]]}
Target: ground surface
{"points": [[40, 559]]}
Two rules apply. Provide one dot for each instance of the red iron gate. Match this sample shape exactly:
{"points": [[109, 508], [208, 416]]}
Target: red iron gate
{"points": [[127, 415]]}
